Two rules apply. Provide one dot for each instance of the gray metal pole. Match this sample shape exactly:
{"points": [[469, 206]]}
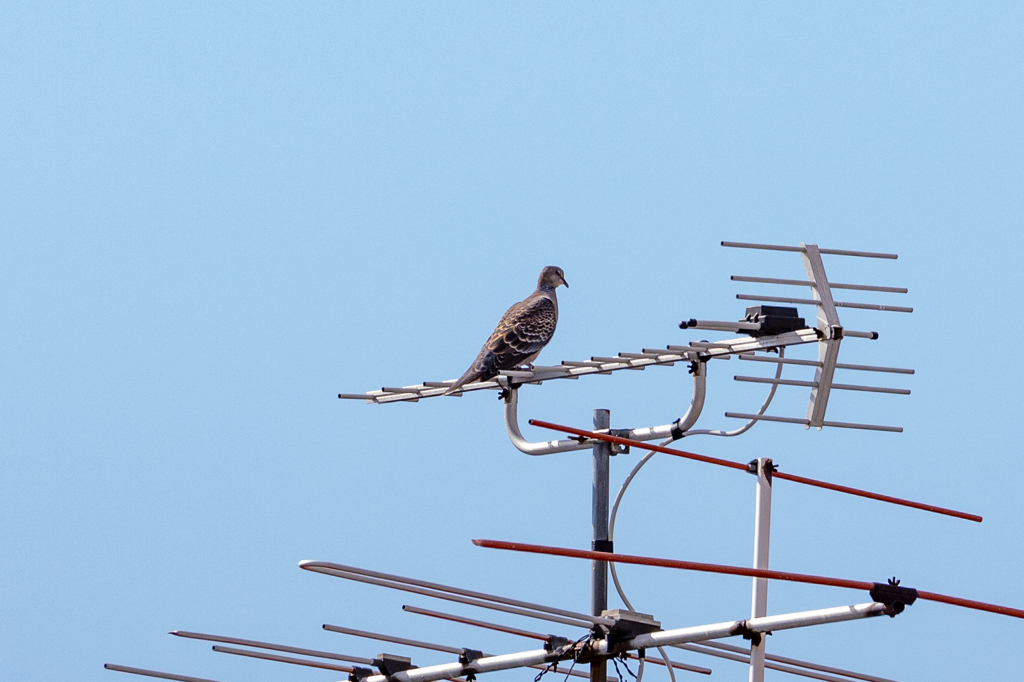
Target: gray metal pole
{"points": [[600, 543]]}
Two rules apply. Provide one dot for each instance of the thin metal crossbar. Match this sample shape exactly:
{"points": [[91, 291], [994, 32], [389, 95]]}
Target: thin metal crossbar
{"points": [[155, 673], [342, 630], [799, 249], [807, 422], [838, 304], [743, 467], [435, 589], [808, 283], [795, 662], [816, 363], [283, 659], [273, 647], [812, 384], [477, 623], [452, 597], [772, 663]]}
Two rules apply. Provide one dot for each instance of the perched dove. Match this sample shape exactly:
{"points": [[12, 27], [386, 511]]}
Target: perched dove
{"points": [[523, 331]]}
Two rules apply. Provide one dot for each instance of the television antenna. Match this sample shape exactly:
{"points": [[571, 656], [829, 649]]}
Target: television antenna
{"points": [[620, 634]]}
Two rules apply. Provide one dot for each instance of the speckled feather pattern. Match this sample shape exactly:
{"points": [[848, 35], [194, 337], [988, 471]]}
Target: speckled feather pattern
{"points": [[523, 331]]}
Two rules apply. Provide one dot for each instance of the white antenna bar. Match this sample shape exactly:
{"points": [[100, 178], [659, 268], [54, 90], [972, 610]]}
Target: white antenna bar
{"points": [[798, 249], [811, 301], [651, 640], [536, 635], [273, 647], [807, 283], [154, 673], [427, 645], [437, 590], [807, 422], [282, 659], [815, 363], [740, 655], [433, 647], [814, 384]]}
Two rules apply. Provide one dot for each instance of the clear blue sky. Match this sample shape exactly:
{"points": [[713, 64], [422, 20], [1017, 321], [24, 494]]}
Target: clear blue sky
{"points": [[216, 217]]}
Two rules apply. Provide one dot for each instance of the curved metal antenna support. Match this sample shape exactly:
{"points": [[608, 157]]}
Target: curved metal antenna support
{"points": [[674, 430], [516, 436], [764, 406]]}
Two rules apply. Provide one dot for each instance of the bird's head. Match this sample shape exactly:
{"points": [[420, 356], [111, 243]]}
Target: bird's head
{"points": [[551, 277]]}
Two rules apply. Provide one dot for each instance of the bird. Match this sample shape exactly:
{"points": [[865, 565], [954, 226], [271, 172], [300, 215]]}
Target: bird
{"points": [[523, 331]]}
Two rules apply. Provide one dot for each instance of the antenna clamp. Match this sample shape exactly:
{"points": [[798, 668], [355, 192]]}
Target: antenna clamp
{"points": [[892, 595]]}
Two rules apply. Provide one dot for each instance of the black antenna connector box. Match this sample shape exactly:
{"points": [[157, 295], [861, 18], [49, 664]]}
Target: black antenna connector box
{"points": [[773, 319]]}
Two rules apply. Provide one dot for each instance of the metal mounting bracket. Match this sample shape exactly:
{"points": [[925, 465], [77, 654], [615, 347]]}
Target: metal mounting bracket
{"points": [[674, 429]]}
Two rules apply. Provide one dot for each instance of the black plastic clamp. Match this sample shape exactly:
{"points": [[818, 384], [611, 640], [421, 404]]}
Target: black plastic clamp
{"points": [[618, 448], [554, 642], [748, 634], [892, 595], [769, 467], [602, 546], [359, 674], [468, 656]]}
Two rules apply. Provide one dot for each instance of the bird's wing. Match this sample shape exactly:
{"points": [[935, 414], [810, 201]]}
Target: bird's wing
{"points": [[524, 329]]}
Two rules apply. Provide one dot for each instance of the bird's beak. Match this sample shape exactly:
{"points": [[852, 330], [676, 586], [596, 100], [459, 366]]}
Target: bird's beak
{"points": [[565, 283]]}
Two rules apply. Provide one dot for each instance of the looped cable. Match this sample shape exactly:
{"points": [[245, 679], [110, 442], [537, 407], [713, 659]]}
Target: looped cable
{"points": [[639, 465]]}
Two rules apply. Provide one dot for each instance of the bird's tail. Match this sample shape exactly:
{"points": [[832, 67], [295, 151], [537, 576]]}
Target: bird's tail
{"points": [[472, 374]]}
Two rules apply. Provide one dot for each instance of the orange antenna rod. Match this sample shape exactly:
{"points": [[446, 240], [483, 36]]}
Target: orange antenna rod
{"points": [[743, 467], [739, 570]]}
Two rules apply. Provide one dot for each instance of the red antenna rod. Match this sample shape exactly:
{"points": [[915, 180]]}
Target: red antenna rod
{"points": [[743, 467], [737, 570]]}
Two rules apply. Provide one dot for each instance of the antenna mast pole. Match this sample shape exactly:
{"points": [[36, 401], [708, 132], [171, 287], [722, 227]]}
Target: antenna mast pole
{"points": [[600, 542]]}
